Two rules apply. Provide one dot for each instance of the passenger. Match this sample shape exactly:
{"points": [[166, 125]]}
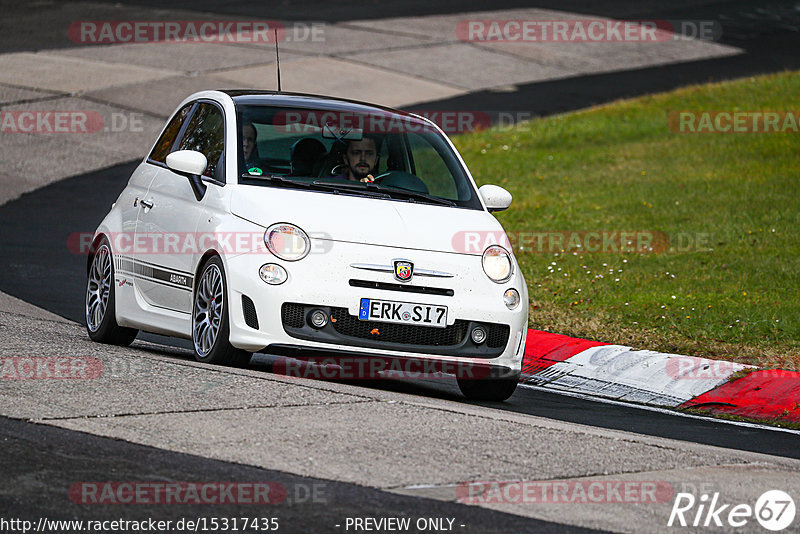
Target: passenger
{"points": [[307, 154], [251, 157]]}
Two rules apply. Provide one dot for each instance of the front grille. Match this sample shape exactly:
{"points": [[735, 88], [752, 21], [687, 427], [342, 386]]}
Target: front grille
{"points": [[347, 326], [498, 335], [403, 288], [293, 315], [249, 309], [406, 334]]}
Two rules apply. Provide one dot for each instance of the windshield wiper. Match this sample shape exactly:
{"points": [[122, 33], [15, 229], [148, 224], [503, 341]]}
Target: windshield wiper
{"points": [[315, 185], [276, 179], [418, 195], [337, 188], [376, 192], [409, 195]]}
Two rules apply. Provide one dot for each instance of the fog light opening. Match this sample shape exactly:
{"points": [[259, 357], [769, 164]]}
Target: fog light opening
{"points": [[478, 335], [318, 318]]}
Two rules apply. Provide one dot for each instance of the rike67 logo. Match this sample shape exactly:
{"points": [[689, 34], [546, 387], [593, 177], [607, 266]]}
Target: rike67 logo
{"points": [[774, 510]]}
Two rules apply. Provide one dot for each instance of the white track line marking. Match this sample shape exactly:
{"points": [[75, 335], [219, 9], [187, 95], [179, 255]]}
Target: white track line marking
{"points": [[661, 410]]}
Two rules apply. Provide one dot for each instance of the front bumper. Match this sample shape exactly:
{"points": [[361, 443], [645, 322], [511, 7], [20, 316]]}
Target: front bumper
{"points": [[326, 281], [345, 329]]}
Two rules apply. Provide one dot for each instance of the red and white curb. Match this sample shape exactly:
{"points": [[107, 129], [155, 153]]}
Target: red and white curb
{"points": [[579, 366]]}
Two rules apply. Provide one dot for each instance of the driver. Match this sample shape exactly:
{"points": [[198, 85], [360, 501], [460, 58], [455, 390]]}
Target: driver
{"points": [[361, 159]]}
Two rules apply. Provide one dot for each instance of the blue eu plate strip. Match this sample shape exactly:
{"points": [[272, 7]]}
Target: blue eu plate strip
{"points": [[363, 310]]}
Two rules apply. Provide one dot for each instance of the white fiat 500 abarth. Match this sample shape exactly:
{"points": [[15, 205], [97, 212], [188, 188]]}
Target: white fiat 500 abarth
{"points": [[306, 227]]}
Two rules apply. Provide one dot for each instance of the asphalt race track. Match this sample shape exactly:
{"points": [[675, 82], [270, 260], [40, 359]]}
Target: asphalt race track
{"points": [[41, 269], [768, 35], [338, 450], [69, 456]]}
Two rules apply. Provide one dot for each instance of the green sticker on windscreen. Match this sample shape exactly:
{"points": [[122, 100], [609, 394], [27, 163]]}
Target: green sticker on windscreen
{"points": [[255, 170]]}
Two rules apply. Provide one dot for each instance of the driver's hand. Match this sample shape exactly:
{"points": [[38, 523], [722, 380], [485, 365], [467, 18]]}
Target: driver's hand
{"points": [[368, 178]]}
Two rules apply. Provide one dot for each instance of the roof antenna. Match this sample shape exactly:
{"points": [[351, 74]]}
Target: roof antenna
{"points": [[277, 59]]}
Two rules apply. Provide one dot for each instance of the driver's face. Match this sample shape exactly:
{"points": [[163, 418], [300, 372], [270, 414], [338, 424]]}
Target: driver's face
{"points": [[360, 158]]}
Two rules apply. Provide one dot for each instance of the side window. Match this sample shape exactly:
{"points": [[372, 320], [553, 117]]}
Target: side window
{"points": [[167, 140], [206, 134], [383, 157]]}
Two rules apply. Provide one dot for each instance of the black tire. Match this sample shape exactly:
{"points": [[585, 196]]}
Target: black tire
{"points": [[488, 389], [218, 350], [101, 320]]}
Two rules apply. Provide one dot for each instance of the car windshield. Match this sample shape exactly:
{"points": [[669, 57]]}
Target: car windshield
{"points": [[400, 156]]}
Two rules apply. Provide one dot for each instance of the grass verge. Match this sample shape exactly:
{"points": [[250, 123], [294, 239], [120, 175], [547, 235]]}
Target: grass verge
{"points": [[722, 211]]}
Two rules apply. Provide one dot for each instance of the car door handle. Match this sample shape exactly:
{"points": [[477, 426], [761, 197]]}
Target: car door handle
{"points": [[146, 204]]}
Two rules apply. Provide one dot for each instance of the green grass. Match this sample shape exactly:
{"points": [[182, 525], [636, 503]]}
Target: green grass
{"points": [[729, 284]]}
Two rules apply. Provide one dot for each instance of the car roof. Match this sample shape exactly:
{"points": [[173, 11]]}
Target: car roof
{"points": [[304, 100]]}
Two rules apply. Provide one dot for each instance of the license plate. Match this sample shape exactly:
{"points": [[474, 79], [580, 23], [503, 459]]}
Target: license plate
{"points": [[402, 312]]}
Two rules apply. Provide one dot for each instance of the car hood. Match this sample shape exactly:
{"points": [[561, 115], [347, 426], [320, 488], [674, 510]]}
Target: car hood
{"points": [[394, 223]]}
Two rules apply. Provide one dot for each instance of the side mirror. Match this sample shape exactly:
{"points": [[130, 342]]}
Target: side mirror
{"points": [[191, 164], [495, 197], [187, 162]]}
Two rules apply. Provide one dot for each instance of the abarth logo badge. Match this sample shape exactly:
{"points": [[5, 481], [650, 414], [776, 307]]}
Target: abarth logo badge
{"points": [[403, 270]]}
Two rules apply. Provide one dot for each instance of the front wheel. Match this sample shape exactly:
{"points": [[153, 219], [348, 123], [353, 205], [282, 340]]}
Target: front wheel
{"points": [[488, 389], [101, 321], [210, 319]]}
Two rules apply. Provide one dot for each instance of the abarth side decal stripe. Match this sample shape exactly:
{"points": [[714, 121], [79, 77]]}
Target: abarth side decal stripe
{"points": [[152, 273], [158, 266]]}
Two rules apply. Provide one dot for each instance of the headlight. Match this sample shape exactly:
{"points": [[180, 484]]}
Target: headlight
{"points": [[497, 263], [287, 241]]}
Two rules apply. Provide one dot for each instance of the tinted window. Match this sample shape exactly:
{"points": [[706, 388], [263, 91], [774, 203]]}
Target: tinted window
{"points": [[432, 167], [167, 139], [206, 134], [412, 154]]}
